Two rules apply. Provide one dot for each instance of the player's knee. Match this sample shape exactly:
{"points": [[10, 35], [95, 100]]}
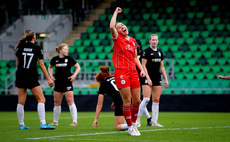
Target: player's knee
{"points": [[117, 127], [156, 100], [41, 100], [126, 102], [21, 101]]}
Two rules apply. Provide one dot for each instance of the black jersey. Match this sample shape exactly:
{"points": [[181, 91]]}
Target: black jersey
{"points": [[62, 67], [28, 54], [108, 87], [154, 59], [139, 56]]}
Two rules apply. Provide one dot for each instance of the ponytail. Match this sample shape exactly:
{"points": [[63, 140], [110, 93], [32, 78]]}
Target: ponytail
{"points": [[28, 36]]}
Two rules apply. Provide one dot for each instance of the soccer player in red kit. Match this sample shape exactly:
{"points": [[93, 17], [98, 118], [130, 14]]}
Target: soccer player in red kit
{"points": [[126, 76]]}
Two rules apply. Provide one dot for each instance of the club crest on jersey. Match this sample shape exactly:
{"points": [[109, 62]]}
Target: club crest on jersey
{"points": [[66, 60], [159, 53], [123, 82]]}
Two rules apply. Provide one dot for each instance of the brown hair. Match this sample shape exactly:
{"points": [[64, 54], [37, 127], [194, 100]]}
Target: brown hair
{"points": [[28, 36], [60, 47], [103, 74]]}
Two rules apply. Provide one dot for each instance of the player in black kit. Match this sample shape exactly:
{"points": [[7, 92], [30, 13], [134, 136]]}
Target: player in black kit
{"points": [[28, 54], [143, 82], [63, 82], [153, 65], [108, 87]]}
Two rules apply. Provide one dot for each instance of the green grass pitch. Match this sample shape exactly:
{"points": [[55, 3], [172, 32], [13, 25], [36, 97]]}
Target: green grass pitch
{"points": [[179, 127]]}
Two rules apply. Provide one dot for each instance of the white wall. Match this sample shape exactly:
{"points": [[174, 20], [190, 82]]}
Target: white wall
{"points": [[58, 26]]}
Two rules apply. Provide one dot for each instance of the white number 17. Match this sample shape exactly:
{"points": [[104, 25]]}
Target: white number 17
{"points": [[30, 56]]}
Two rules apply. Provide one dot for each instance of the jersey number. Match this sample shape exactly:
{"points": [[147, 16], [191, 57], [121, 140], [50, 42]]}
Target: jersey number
{"points": [[114, 85], [30, 55]]}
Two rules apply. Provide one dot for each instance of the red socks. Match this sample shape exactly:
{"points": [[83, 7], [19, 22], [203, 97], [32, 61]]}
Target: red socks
{"points": [[130, 113], [127, 115], [134, 112]]}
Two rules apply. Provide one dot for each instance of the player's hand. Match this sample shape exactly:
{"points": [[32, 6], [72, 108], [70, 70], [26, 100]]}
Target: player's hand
{"points": [[149, 82], [220, 77], [72, 78], [52, 78], [112, 105], [50, 82], [166, 83], [142, 74], [118, 10], [94, 124]]}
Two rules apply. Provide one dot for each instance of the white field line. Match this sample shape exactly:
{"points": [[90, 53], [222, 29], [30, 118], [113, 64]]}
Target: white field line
{"points": [[79, 117], [115, 140], [116, 132]]}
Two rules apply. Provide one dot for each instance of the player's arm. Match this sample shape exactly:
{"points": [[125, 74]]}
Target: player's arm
{"points": [[43, 68], [50, 70], [162, 69], [113, 30], [144, 62], [77, 70], [138, 63], [17, 62], [224, 77], [98, 109]]}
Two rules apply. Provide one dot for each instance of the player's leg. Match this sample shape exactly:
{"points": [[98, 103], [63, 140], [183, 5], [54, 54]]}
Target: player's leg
{"points": [[126, 98], [57, 107], [146, 97], [135, 103], [122, 79], [72, 107], [37, 92], [119, 123], [136, 98], [155, 105], [20, 108]]}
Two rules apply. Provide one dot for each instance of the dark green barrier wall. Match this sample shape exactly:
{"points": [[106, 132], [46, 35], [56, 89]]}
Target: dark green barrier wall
{"points": [[190, 103]]}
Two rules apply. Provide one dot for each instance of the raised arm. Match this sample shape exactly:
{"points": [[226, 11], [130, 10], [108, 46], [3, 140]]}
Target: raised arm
{"points": [[113, 30]]}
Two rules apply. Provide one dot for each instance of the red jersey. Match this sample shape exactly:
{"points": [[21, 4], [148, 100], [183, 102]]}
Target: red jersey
{"points": [[124, 53]]}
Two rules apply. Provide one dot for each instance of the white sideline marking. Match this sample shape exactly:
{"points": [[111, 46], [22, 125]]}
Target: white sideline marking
{"points": [[115, 132], [79, 117]]}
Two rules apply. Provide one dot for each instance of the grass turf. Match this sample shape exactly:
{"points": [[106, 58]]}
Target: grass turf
{"points": [[178, 127]]}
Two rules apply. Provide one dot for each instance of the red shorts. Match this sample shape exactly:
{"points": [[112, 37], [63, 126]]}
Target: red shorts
{"points": [[126, 78]]}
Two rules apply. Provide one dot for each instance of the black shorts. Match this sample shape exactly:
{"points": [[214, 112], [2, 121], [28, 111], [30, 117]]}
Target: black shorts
{"points": [[63, 86], [26, 83], [154, 82], [118, 109], [143, 81]]}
